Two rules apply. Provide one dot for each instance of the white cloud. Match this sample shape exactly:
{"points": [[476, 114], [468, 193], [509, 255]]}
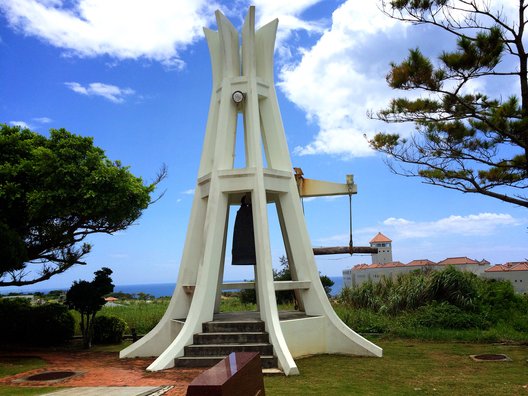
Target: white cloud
{"points": [[289, 14], [471, 225], [335, 84], [342, 77], [43, 120], [130, 29], [26, 125], [107, 91], [21, 124], [124, 29], [190, 191], [481, 224]]}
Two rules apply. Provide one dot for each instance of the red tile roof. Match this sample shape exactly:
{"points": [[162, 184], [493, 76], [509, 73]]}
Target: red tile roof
{"points": [[497, 268], [380, 238], [520, 267], [457, 261], [393, 264], [510, 264], [421, 263], [360, 266]]}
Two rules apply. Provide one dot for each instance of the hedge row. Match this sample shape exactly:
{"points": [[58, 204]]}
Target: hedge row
{"points": [[22, 323]]}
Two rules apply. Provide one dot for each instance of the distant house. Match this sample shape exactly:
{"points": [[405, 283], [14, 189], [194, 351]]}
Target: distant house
{"points": [[384, 246], [515, 272], [111, 302], [383, 266], [110, 299], [29, 297]]}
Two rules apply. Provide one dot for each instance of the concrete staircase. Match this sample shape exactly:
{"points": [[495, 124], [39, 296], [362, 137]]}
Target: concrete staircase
{"points": [[220, 337]]}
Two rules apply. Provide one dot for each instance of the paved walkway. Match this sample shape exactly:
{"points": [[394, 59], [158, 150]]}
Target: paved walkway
{"points": [[112, 391], [103, 369]]}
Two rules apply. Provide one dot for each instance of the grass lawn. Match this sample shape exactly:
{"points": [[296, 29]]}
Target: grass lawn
{"points": [[410, 368], [26, 391]]}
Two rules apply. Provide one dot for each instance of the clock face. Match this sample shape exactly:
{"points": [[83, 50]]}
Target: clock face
{"points": [[238, 97]]}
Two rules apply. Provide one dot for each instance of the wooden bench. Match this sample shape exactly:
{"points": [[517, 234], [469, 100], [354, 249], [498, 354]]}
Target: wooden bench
{"points": [[238, 374]]}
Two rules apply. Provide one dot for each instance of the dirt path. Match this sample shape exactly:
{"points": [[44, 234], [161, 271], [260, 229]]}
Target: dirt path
{"points": [[103, 369]]}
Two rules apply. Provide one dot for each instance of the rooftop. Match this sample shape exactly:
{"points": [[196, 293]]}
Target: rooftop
{"points": [[380, 238], [458, 261], [520, 267], [511, 266], [393, 264], [496, 268], [421, 263]]}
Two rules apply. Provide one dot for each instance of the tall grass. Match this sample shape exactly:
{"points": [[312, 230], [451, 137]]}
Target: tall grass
{"points": [[144, 315], [447, 304], [413, 290], [139, 315]]}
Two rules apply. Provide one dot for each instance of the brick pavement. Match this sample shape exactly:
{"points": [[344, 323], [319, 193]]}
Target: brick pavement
{"points": [[103, 369]]}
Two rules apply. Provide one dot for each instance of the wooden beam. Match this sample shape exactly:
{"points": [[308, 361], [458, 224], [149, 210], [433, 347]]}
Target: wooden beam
{"points": [[345, 250]]}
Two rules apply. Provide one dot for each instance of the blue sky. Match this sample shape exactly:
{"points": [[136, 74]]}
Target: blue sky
{"points": [[136, 76]]}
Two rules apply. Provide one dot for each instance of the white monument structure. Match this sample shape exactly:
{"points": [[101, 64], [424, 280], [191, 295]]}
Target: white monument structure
{"points": [[243, 83]]}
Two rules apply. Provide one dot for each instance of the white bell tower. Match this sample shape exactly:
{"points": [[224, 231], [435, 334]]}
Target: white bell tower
{"points": [[243, 83]]}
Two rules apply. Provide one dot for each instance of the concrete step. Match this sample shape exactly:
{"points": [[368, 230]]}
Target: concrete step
{"points": [[231, 338], [233, 326], [226, 349], [268, 361]]}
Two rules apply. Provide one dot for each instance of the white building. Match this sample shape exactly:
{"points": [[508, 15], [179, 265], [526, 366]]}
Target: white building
{"points": [[383, 266], [384, 246], [515, 272]]}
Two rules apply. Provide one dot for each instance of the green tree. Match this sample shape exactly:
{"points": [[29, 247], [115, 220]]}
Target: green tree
{"points": [[54, 192], [283, 274], [88, 298], [327, 284], [465, 140], [144, 296]]}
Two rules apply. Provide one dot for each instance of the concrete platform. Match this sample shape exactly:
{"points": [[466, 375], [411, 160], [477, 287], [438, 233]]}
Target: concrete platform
{"points": [[254, 316], [112, 391]]}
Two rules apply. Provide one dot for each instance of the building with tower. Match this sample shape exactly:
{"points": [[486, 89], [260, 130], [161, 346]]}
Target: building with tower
{"points": [[384, 246], [384, 266]]}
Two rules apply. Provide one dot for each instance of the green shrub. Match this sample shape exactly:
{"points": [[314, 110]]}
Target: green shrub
{"points": [[108, 329], [15, 314], [52, 324], [519, 322], [140, 315], [458, 288], [447, 316], [364, 320], [498, 300], [412, 290], [48, 324], [248, 296]]}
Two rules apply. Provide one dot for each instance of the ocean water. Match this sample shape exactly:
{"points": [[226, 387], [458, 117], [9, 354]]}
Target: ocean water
{"points": [[166, 289], [159, 289]]}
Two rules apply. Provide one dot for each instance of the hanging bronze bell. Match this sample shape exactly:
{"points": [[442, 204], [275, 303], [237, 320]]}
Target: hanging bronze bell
{"points": [[243, 251]]}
